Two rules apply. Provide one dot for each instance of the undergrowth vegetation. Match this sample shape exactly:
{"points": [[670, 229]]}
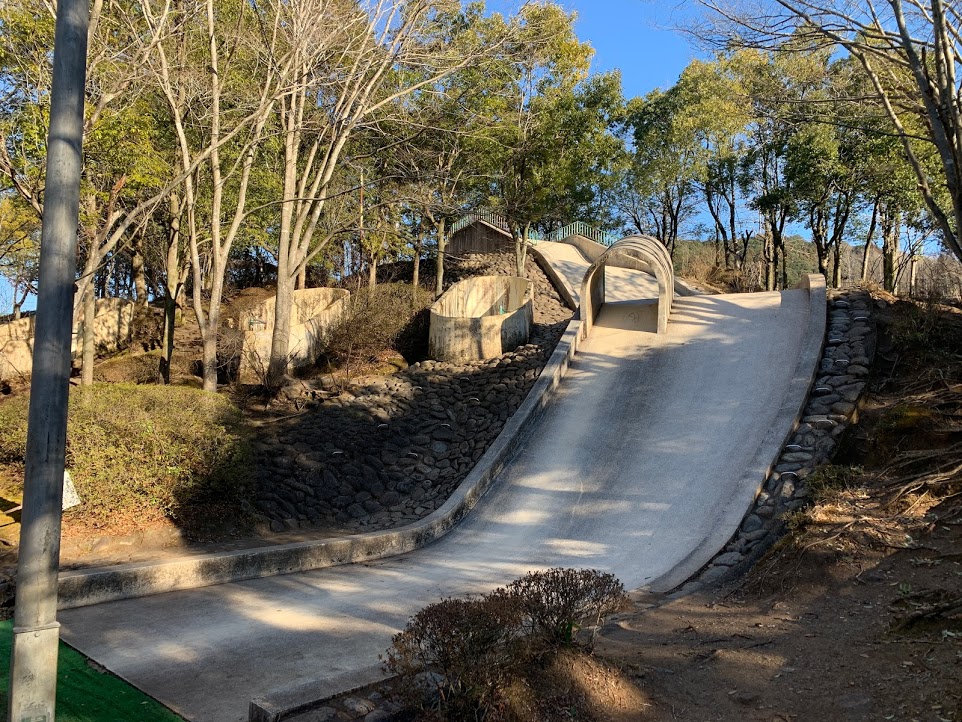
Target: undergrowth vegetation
{"points": [[459, 658], [148, 451], [388, 316], [899, 471]]}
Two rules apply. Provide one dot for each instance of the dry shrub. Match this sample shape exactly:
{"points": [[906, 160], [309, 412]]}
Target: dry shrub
{"points": [[927, 335], [457, 654], [146, 451], [129, 368], [456, 659], [829, 481], [702, 268], [388, 316], [557, 602]]}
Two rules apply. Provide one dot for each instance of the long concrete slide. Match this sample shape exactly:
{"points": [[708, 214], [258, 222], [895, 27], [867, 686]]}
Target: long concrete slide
{"points": [[642, 464]]}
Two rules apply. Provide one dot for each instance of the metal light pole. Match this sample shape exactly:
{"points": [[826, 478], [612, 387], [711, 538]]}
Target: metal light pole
{"points": [[36, 632]]}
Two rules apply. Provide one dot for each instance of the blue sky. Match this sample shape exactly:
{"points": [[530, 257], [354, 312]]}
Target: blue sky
{"points": [[636, 37]]}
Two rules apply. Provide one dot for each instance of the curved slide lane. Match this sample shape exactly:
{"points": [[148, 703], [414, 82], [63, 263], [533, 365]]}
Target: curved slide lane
{"points": [[638, 467]]}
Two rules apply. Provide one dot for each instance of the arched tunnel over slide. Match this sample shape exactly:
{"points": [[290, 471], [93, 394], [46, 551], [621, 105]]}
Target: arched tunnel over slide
{"points": [[643, 255], [643, 465]]}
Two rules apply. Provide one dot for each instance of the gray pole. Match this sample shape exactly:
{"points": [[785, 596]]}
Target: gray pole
{"points": [[36, 632]]}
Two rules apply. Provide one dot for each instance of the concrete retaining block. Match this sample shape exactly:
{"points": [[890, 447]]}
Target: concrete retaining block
{"points": [[314, 312], [113, 323], [480, 318]]}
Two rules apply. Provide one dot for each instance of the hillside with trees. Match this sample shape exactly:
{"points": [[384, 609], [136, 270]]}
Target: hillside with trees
{"points": [[365, 137], [237, 153]]}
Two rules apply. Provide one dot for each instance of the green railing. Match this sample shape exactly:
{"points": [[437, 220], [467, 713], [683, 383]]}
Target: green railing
{"points": [[578, 228]]}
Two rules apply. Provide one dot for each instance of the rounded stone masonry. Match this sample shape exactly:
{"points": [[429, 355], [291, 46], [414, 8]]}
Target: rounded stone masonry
{"points": [[481, 318]]}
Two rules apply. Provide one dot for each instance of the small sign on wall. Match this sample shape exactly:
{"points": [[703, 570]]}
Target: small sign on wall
{"points": [[70, 496]]}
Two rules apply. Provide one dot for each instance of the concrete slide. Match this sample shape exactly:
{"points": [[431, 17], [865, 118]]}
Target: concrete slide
{"points": [[643, 465], [621, 284]]}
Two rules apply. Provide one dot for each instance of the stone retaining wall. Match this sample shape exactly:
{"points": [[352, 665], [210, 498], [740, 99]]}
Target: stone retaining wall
{"points": [[388, 450]]}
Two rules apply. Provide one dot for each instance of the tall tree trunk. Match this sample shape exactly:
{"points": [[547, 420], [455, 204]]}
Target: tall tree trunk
{"points": [[137, 271], [520, 247], [868, 241], [781, 249], [283, 308], [87, 354], [822, 262], [439, 263], [372, 272], [771, 257], [171, 288], [286, 265], [89, 312], [837, 264], [889, 253], [211, 330], [181, 300], [302, 276], [416, 271]]}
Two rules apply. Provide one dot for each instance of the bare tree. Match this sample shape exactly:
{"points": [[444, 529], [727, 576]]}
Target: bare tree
{"points": [[352, 64], [221, 69]]}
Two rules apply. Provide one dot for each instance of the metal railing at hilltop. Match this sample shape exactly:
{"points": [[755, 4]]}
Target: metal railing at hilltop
{"points": [[578, 228]]}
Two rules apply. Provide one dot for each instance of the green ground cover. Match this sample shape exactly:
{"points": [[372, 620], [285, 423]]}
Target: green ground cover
{"points": [[85, 693]]}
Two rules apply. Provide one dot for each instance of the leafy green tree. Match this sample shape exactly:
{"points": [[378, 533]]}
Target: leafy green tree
{"points": [[19, 249], [660, 188], [121, 170], [770, 79], [554, 146], [715, 113], [369, 59], [908, 52]]}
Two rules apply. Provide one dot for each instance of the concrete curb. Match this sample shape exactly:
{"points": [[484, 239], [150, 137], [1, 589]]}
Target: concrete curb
{"points": [[283, 703], [790, 412], [79, 588]]}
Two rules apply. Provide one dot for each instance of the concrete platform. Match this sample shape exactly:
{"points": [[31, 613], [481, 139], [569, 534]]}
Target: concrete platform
{"points": [[643, 465]]}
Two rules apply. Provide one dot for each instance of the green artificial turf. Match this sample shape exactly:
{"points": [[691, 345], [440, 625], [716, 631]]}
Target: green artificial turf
{"points": [[86, 694]]}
